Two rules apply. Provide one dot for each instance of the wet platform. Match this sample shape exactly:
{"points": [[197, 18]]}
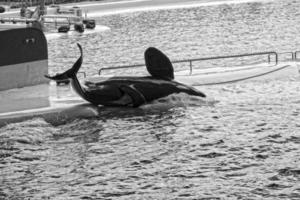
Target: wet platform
{"points": [[60, 102]]}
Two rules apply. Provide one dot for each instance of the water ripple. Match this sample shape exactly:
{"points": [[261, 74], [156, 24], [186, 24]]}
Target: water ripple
{"points": [[241, 143]]}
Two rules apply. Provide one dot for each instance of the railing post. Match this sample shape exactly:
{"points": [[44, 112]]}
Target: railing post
{"points": [[276, 57], [293, 55], [191, 68]]}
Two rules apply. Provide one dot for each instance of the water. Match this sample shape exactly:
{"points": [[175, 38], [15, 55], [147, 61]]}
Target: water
{"points": [[240, 143], [185, 33]]}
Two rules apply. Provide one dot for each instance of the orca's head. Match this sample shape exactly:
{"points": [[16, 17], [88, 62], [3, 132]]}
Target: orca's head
{"points": [[190, 90]]}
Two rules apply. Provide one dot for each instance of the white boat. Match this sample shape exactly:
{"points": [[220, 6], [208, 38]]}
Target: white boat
{"points": [[51, 19]]}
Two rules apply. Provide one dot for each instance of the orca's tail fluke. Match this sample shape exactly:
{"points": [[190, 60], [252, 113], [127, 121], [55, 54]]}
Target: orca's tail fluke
{"points": [[71, 73]]}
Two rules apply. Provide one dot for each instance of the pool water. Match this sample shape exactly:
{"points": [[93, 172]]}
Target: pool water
{"points": [[242, 142]]}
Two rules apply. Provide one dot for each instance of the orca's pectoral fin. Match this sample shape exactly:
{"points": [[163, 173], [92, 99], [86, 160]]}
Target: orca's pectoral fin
{"points": [[137, 97]]}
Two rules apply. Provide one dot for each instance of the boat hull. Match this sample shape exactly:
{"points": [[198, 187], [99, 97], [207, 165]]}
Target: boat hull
{"points": [[23, 58]]}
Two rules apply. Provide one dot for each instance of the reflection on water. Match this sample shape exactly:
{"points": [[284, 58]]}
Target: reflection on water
{"points": [[241, 143]]}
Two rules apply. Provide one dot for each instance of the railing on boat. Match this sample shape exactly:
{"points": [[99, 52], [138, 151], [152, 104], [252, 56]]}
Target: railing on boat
{"points": [[17, 20], [46, 19], [270, 54]]}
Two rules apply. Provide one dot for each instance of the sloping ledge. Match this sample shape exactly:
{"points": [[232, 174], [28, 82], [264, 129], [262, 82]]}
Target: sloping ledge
{"points": [[54, 104], [23, 58], [25, 98], [59, 104]]}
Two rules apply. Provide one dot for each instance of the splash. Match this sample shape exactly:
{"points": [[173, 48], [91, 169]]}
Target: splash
{"points": [[179, 100]]}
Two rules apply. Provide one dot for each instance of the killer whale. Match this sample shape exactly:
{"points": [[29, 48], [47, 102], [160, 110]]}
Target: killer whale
{"points": [[128, 90]]}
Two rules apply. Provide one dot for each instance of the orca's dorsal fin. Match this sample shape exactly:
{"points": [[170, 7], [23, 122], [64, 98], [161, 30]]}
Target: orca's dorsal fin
{"points": [[158, 64]]}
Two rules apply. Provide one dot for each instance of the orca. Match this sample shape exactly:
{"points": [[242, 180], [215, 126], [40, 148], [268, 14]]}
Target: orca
{"points": [[129, 90]]}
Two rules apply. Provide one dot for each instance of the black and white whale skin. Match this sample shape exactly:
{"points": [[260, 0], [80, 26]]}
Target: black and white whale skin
{"points": [[130, 91]]}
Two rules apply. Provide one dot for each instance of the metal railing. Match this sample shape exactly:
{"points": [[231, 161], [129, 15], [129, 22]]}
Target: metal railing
{"points": [[190, 61], [270, 53], [16, 20], [290, 53], [294, 55]]}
